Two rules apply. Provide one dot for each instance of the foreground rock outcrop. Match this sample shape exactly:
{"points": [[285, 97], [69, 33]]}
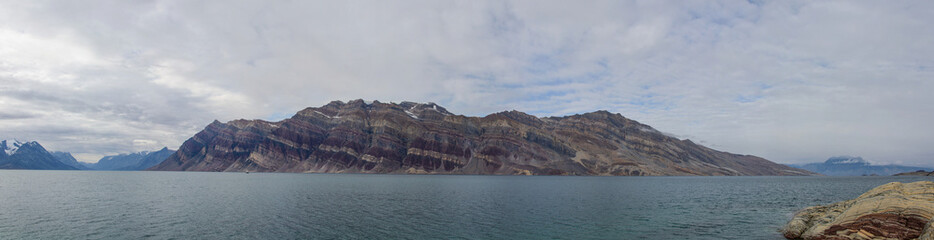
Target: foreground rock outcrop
{"points": [[891, 211], [360, 137]]}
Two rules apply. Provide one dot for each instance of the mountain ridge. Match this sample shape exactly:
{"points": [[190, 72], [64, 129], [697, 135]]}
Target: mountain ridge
{"points": [[130, 161], [68, 159], [425, 138], [28, 155], [855, 166]]}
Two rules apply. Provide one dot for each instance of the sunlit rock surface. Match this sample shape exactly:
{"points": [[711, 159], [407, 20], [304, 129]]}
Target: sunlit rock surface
{"points": [[891, 211], [357, 137]]}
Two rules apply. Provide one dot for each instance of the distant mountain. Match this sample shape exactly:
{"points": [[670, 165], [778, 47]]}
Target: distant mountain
{"points": [[28, 155], [424, 138], [115, 162], [151, 159], [132, 161], [67, 159], [854, 166]]}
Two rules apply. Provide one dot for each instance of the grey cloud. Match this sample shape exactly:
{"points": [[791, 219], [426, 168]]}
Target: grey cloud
{"points": [[16, 115], [792, 81]]}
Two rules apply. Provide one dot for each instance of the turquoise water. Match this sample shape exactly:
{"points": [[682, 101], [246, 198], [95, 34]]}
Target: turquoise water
{"points": [[185, 205]]}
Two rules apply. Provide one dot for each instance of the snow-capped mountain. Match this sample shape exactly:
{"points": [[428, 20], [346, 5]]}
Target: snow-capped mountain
{"points": [[28, 155], [854, 166], [10, 146]]}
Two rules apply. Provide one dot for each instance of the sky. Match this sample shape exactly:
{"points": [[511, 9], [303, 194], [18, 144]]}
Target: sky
{"points": [[790, 81]]}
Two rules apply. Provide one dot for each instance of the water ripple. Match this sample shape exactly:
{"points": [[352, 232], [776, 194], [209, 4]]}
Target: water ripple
{"points": [[183, 205]]}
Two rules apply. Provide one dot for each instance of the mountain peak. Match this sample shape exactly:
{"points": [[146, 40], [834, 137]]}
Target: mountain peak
{"points": [[429, 106], [67, 159], [11, 146], [28, 155]]}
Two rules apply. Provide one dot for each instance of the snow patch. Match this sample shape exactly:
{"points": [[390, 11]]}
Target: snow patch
{"points": [[434, 107], [410, 114], [10, 146], [325, 115], [848, 161]]}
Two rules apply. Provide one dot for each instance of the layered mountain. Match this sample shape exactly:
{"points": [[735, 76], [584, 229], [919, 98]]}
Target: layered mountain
{"points": [[360, 137], [68, 159], [131, 161], [855, 166], [28, 155]]}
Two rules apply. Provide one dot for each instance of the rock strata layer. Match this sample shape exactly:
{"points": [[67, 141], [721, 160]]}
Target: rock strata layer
{"points": [[360, 137], [891, 211]]}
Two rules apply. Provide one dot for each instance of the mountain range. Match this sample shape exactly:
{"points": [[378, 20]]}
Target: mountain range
{"points": [[855, 166], [424, 138], [132, 161], [31, 155], [68, 159], [28, 155]]}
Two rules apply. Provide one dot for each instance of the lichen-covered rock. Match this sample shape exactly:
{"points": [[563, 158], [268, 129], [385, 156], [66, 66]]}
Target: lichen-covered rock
{"points": [[891, 211], [360, 137]]}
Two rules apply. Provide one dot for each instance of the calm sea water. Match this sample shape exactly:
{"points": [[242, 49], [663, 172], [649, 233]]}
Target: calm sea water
{"points": [[186, 205]]}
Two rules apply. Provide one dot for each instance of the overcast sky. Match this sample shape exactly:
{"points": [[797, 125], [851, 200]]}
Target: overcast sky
{"points": [[791, 81]]}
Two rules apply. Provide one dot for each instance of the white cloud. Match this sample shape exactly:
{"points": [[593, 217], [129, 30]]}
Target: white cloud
{"points": [[792, 81]]}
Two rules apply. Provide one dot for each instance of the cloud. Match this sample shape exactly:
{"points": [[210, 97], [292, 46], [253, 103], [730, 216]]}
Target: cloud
{"points": [[792, 81], [17, 115]]}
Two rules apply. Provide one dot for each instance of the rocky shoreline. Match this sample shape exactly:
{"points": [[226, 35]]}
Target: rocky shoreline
{"points": [[891, 211]]}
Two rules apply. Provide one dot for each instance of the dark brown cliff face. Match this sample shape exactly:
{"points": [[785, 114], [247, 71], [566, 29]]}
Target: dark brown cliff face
{"points": [[356, 137]]}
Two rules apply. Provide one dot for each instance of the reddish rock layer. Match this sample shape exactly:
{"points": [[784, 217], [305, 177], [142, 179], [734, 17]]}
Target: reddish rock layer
{"points": [[891, 211], [425, 138]]}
